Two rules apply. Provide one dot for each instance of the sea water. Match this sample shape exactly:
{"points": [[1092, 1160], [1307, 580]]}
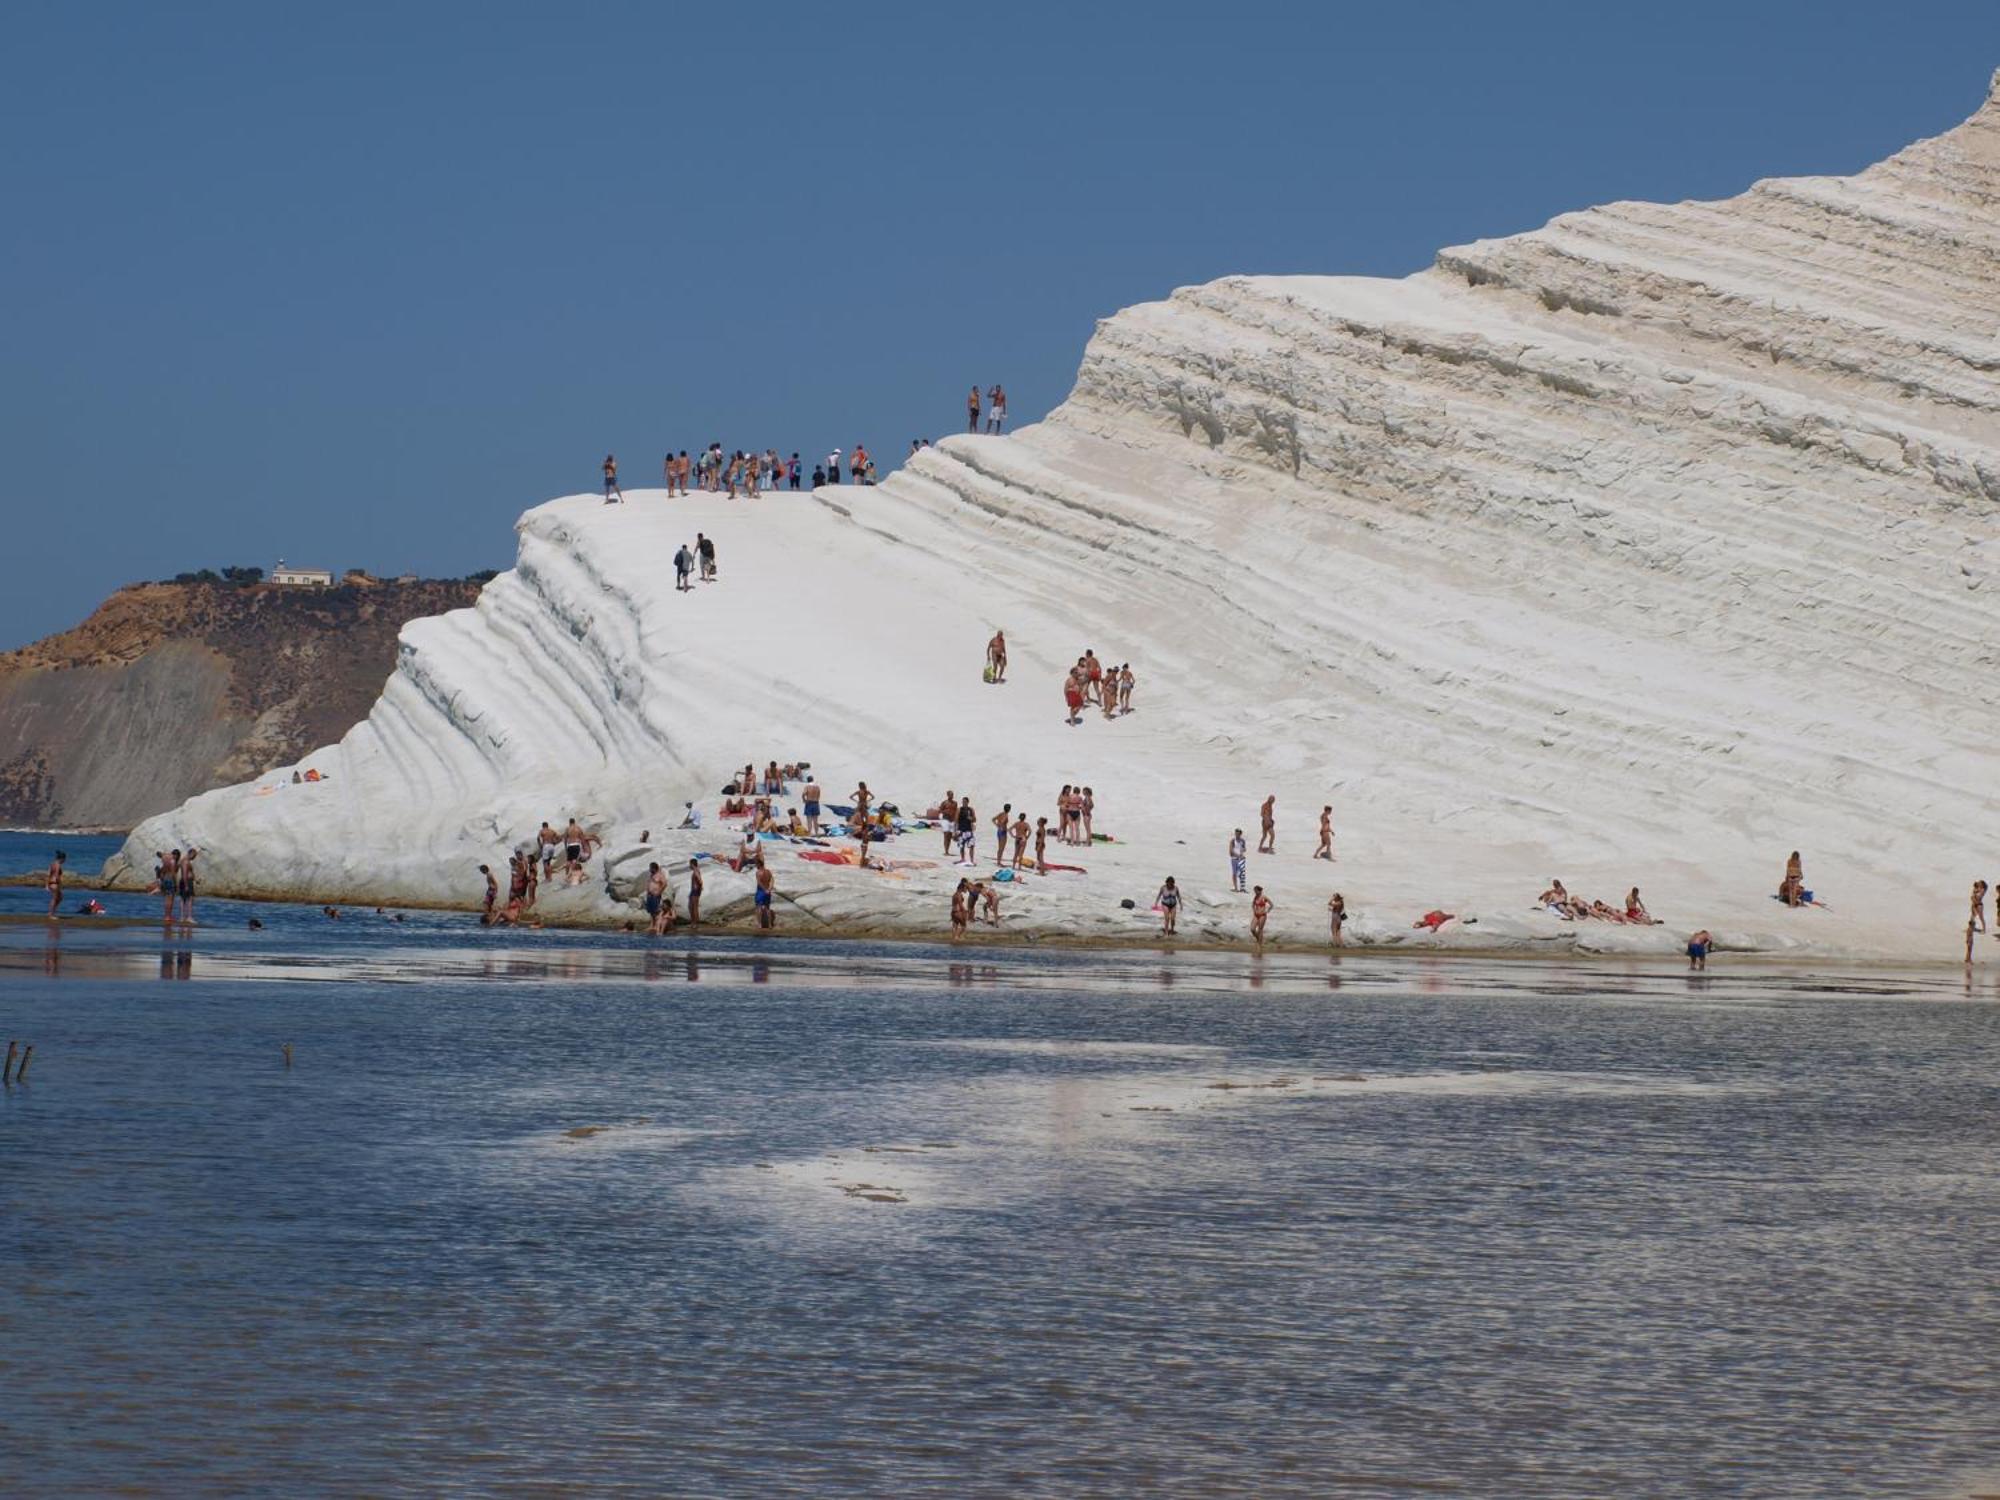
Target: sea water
{"points": [[531, 1212]]}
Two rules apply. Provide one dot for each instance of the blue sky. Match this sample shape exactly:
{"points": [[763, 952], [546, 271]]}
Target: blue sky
{"points": [[356, 284]]}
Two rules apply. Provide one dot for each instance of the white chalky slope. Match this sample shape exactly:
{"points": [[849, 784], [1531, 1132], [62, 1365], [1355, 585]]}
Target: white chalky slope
{"points": [[1644, 548]]}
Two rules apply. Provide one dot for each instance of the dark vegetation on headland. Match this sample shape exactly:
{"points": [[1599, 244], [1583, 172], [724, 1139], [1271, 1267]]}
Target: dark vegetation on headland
{"points": [[170, 689]]}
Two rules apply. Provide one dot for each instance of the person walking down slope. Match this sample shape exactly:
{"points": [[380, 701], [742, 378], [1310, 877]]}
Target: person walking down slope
{"points": [[611, 480], [972, 411], [684, 570], [1267, 842], [996, 657]]}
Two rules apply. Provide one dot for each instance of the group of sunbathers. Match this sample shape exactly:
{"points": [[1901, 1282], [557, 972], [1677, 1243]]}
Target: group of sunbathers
{"points": [[1579, 908]]}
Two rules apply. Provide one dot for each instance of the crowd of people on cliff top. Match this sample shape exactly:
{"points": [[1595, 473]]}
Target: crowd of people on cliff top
{"points": [[749, 473]]}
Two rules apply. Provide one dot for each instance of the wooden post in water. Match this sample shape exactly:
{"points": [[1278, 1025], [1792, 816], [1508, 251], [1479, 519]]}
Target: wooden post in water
{"points": [[7, 1073], [21, 1073]]}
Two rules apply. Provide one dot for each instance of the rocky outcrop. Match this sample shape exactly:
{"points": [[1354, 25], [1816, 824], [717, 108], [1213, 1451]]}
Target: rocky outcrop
{"points": [[1641, 549], [170, 689]]}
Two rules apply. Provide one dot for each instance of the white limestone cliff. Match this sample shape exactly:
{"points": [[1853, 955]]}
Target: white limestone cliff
{"points": [[1643, 548]]}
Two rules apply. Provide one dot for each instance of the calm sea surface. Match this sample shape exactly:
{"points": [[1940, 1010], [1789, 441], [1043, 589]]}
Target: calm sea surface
{"points": [[542, 1212]]}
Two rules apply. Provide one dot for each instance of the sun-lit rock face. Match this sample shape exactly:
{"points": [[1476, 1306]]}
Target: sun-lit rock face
{"points": [[1643, 548]]}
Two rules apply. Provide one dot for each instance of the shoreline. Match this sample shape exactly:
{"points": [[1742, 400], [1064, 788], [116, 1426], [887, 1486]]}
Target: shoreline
{"points": [[1550, 950]]}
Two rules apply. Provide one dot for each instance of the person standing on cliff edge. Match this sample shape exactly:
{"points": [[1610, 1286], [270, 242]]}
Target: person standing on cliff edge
{"points": [[611, 480], [972, 411]]}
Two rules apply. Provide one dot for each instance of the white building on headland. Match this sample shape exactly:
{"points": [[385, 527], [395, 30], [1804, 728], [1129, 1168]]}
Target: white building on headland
{"points": [[301, 578]]}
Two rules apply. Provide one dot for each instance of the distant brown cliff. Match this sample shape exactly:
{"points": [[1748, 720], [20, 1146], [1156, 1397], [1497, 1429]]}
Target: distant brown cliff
{"points": [[170, 689]]}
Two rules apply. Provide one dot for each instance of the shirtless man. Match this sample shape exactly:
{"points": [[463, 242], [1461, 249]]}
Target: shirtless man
{"points": [[1001, 820], [1093, 676], [185, 885], [694, 893], [1268, 842], [170, 883], [657, 898], [611, 480], [1260, 910], [1336, 916], [1698, 946], [1021, 832], [811, 794], [573, 855], [1239, 863], [948, 816], [996, 655], [1325, 849], [1979, 904], [549, 840], [1073, 696], [492, 896], [54, 881], [1041, 846], [767, 917]]}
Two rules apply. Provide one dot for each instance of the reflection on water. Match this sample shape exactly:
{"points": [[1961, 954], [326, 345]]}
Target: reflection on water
{"points": [[546, 1212]]}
